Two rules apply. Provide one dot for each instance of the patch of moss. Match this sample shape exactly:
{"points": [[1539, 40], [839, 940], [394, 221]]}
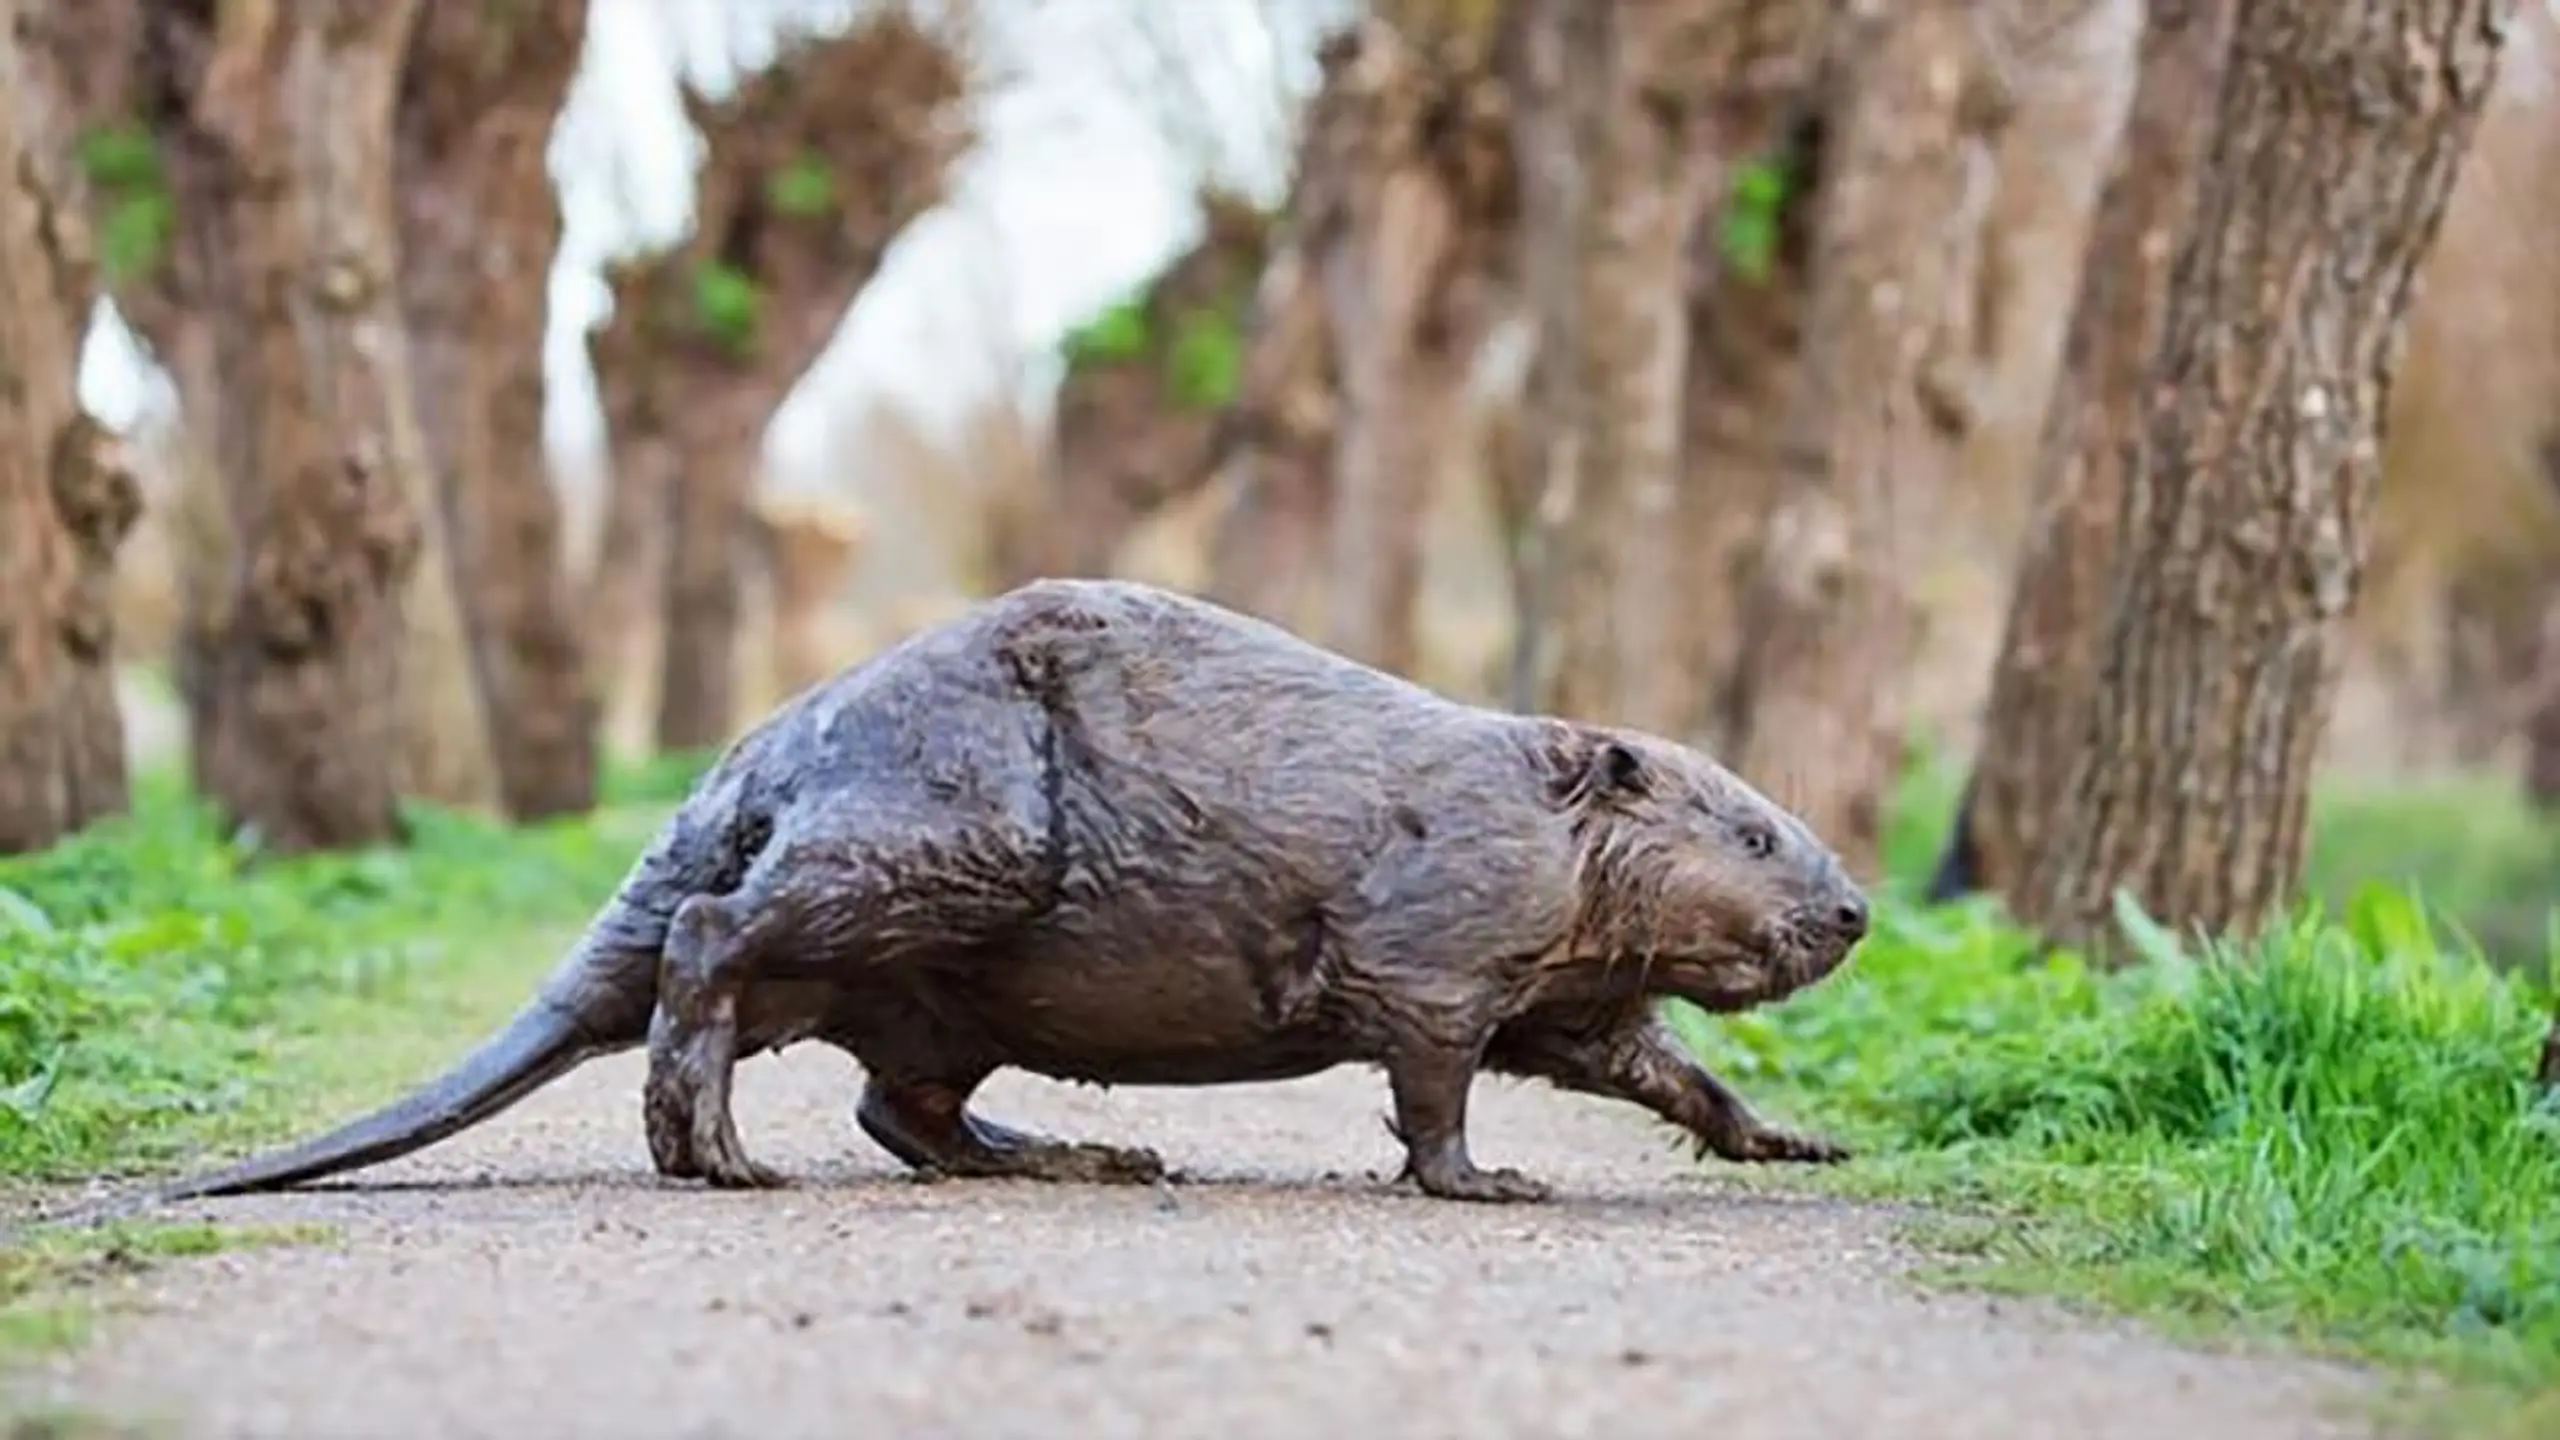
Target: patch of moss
{"points": [[1748, 230], [727, 304], [137, 215], [804, 188]]}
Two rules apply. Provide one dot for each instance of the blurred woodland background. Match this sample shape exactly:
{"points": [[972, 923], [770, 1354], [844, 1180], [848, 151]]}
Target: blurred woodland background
{"points": [[473, 389]]}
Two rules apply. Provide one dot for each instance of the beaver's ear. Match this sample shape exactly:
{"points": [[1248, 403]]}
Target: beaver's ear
{"points": [[1616, 769]]}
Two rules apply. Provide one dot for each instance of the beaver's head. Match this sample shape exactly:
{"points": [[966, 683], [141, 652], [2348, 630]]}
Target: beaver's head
{"points": [[1711, 890]]}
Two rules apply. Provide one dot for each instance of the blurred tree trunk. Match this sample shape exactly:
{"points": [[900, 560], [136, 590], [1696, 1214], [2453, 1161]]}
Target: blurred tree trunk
{"points": [[67, 497], [624, 623], [292, 111], [2036, 717], [2541, 694], [200, 512], [807, 551], [811, 169], [1829, 621], [1137, 411], [116, 82], [2335, 144], [1267, 553], [485, 82], [1405, 201], [1631, 118], [38, 410], [1752, 263]]}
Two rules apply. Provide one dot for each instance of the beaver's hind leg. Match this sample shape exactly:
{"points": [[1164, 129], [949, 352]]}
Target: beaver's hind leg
{"points": [[927, 1125], [693, 1047]]}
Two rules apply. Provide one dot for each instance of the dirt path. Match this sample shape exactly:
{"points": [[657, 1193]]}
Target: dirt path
{"points": [[535, 1280]]}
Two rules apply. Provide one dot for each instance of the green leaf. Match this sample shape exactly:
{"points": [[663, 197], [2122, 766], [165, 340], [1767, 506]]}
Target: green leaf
{"points": [[1748, 234], [1749, 244], [121, 157], [25, 1100], [134, 234], [1117, 335], [727, 303], [803, 189], [2153, 941], [1207, 360], [22, 915]]}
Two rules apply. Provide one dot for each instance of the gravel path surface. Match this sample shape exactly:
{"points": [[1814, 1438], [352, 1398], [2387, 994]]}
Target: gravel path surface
{"points": [[531, 1278]]}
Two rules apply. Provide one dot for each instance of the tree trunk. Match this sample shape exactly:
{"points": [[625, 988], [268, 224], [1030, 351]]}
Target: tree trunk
{"points": [[1616, 111], [97, 501], [811, 168], [1267, 554], [295, 105], [706, 549], [205, 548], [2542, 701], [1137, 415], [622, 634], [1749, 262], [484, 85], [2036, 716], [38, 406], [1405, 197], [1830, 620], [1746, 318], [1633, 118], [808, 551], [2336, 139], [67, 497]]}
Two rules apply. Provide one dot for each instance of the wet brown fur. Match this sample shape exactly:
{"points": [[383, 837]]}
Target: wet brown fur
{"points": [[1104, 832]]}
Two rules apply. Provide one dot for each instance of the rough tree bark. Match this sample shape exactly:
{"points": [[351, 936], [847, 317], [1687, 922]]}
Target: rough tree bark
{"points": [[67, 497], [812, 167], [484, 85], [1405, 201], [1137, 412], [2336, 136], [38, 364], [2036, 714], [120, 75], [1916, 99], [291, 107]]}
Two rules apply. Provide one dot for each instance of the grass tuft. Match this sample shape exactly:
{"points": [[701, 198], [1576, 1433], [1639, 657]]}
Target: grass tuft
{"points": [[2329, 1136], [147, 974]]}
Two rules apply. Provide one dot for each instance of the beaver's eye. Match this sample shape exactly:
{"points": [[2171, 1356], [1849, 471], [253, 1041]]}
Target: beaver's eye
{"points": [[1759, 842]]}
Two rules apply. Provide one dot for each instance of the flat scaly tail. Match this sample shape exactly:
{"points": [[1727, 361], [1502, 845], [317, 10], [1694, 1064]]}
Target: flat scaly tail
{"points": [[597, 1003]]}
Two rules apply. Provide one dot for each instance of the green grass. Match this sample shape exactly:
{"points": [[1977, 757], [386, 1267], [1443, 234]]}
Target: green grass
{"points": [[52, 1284], [2329, 1138], [152, 987]]}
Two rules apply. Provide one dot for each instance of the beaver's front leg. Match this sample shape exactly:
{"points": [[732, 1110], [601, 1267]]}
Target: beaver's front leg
{"points": [[1430, 1082], [1638, 1059]]}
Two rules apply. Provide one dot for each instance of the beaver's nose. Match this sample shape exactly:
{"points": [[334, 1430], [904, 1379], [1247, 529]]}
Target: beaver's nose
{"points": [[1849, 917]]}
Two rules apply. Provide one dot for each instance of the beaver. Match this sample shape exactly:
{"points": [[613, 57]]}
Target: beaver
{"points": [[1106, 832]]}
